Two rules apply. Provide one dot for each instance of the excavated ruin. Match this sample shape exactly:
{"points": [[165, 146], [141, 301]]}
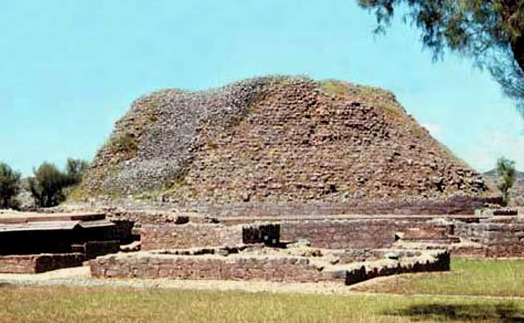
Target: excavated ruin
{"points": [[282, 145]]}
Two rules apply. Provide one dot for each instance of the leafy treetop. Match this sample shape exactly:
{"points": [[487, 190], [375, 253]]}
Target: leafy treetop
{"points": [[491, 32]]}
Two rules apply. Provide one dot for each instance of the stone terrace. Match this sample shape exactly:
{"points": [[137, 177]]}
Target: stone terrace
{"points": [[32, 243], [298, 265]]}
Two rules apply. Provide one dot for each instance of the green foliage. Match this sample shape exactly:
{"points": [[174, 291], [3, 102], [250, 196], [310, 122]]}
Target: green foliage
{"points": [[507, 176], [9, 187], [48, 184], [334, 87], [75, 169], [126, 143], [380, 97], [489, 32]]}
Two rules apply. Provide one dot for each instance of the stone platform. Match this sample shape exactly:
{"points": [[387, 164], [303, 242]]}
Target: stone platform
{"points": [[190, 235], [33, 264], [37, 242], [269, 264]]}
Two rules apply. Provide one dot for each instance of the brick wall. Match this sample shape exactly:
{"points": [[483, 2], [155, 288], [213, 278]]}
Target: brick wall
{"points": [[30, 264], [361, 233], [460, 205], [267, 139], [172, 236], [268, 268], [209, 267], [498, 239]]}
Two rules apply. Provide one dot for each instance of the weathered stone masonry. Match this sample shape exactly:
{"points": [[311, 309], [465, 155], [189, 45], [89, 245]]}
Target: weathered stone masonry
{"points": [[172, 236], [264, 142], [33, 264], [496, 239], [258, 267]]}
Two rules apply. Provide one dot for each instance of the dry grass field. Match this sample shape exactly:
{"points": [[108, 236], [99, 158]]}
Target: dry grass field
{"points": [[482, 277], [63, 304], [496, 279]]}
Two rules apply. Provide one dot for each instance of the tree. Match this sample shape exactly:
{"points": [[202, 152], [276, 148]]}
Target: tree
{"points": [[507, 175], [9, 186], [75, 170], [48, 184], [491, 32]]}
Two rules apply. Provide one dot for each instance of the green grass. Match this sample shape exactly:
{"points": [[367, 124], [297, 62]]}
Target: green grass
{"points": [[61, 304], [467, 277], [124, 143], [334, 87], [379, 97]]}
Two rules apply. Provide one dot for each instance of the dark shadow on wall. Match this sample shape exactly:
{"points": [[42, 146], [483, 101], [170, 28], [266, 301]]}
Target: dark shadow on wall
{"points": [[502, 312]]}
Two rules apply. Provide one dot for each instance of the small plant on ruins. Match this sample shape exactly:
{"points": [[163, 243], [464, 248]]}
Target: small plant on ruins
{"points": [[75, 170], [124, 143], [49, 183], [507, 175], [9, 187]]}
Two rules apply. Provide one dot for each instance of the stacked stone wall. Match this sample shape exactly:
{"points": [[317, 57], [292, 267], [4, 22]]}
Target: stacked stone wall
{"points": [[497, 239], [362, 233], [211, 268], [31, 264], [458, 205], [267, 268], [172, 236], [266, 140]]}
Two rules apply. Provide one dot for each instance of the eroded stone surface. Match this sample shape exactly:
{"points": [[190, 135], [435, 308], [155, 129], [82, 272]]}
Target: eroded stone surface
{"points": [[171, 236], [265, 264], [279, 145]]}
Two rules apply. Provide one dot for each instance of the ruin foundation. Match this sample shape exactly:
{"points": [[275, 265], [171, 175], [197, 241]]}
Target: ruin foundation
{"points": [[33, 264], [290, 265]]}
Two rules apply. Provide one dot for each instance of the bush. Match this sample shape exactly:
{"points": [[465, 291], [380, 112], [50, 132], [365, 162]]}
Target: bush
{"points": [[507, 175], [75, 170], [9, 187], [48, 184]]}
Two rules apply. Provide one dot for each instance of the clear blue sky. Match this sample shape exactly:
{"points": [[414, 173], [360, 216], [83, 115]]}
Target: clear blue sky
{"points": [[69, 69]]}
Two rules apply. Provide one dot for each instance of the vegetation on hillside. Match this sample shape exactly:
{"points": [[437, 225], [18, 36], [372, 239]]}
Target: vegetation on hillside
{"points": [[9, 187]]}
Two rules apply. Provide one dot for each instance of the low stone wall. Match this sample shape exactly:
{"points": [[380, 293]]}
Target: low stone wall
{"points": [[340, 234], [31, 264], [498, 239], [172, 236], [435, 261], [258, 267], [361, 233], [210, 268], [455, 205]]}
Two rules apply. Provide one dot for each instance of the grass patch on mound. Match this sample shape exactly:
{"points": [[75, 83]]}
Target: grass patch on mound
{"points": [[125, 143], [335, 88], [61, 304], [467, 277], [372, 95]]}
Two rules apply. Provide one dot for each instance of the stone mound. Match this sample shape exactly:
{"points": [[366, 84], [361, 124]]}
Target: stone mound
{"points": [[282, 143]]}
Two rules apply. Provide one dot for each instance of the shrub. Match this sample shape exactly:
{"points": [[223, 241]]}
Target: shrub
{"points": [[9, 187], [48, 184], [75, 170], [507, 175]]}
